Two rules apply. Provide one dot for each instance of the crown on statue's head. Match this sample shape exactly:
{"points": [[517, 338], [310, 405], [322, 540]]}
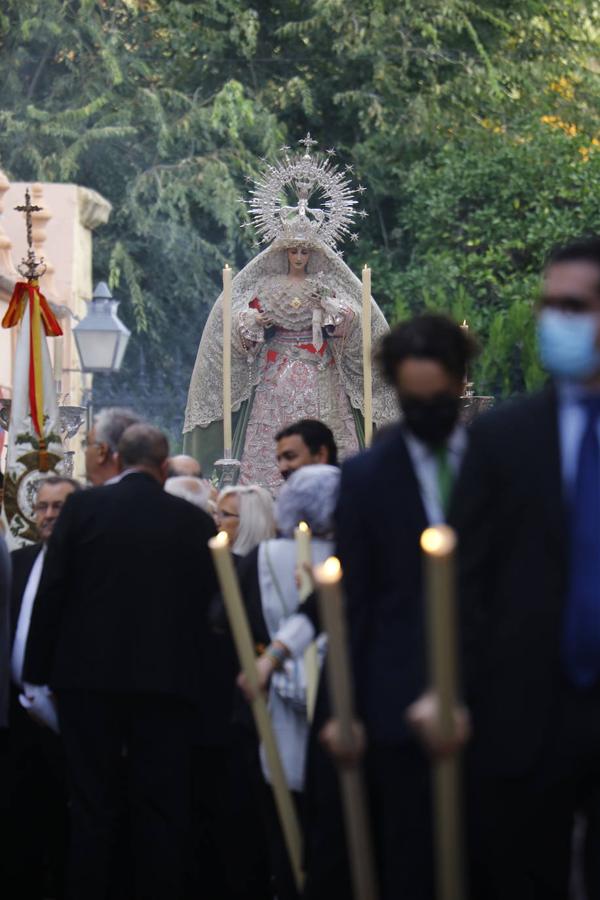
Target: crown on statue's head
{"points": [[304, 198]]}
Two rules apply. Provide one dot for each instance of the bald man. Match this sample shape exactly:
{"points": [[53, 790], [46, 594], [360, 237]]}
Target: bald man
{"points": [[184, 465]]}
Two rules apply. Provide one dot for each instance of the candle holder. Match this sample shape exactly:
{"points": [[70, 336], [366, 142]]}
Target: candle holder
{"points": [[71, 418], [472, 404], [228, 472], [66, 466]]}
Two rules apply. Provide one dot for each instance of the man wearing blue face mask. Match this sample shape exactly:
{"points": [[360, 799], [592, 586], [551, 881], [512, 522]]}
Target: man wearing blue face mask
{"points": [[528, 514]]}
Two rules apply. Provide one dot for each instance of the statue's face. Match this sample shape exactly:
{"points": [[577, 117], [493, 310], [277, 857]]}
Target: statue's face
{"points": [[298, 259]]}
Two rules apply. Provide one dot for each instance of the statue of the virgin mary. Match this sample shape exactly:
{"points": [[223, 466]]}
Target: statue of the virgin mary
{"points": [[296, 327]]}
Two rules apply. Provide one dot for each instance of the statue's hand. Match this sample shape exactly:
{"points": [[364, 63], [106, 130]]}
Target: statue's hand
{"points": [[335, 312], [264, 320]]}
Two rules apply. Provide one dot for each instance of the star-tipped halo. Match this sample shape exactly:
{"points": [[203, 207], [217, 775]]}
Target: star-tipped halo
{"points": [[304, 197]]}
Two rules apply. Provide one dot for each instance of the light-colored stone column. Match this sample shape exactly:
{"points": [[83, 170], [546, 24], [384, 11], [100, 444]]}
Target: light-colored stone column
{"points": [[7, 266], [40, 222]]}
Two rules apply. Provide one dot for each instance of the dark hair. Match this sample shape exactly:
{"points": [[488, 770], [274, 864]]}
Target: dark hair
{"points": [[53, 480], [143, 445], [583, 249], [429, 336], [315, 435]]}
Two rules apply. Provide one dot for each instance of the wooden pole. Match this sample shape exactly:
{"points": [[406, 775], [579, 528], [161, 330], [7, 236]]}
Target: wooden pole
{"points": [[328, 579], [438, 545], [219, 547], [227, 426], [303, 536], [367, 361]]}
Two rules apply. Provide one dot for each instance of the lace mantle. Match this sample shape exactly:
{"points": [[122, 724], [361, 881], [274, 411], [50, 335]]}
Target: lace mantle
{"points": [[265, 278]]}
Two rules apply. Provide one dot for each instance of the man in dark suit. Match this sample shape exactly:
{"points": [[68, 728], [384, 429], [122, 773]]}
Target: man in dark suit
{"points": [[528, 515], [34, 814], [388, 496], [5, 579], [118, 632]]}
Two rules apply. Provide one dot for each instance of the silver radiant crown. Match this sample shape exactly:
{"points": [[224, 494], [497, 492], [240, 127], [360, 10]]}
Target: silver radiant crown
{"points": [[303, 198]]}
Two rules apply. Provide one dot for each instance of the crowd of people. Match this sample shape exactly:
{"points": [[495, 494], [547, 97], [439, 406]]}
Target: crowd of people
{"points": [[129, 763]]}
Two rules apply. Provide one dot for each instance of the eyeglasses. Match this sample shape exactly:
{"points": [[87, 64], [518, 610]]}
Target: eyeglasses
{"points": [[85, 443]]}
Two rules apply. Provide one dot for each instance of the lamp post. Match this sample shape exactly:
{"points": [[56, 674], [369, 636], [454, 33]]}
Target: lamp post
{"points": [[101, 338]]}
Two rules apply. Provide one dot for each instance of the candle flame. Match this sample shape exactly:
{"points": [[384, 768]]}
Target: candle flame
{"points": [[302, 526], [329, 572], [219, 540], [227, 266], [438, 541]]}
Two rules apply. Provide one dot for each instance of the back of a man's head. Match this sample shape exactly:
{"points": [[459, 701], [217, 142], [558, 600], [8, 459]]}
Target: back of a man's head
{"points": [[184, 465], [111, 423], [101, 460], [190, 488], [143, 446]]}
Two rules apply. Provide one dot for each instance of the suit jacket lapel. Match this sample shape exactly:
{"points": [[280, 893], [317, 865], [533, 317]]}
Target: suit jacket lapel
{"points": [[22, 561], [407, 483], [550, 465]]}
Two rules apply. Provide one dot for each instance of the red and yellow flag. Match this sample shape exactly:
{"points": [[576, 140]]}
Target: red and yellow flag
{"points": [[41, 318]]}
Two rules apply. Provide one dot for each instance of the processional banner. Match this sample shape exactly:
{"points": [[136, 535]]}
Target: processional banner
{"points": [[34, 443]]}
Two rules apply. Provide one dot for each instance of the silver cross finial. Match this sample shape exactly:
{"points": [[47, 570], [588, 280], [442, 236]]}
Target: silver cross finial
{"points": [[30, 267], [308, 142]]}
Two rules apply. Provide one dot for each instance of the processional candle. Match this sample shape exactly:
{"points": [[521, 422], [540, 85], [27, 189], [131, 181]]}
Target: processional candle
{"points": [[238, 621], [328, 579], [439, 546], [303, 536], [227, 430], [366, 345]]}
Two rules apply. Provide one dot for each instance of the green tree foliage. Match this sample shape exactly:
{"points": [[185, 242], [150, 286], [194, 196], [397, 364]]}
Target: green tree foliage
{"points": [[472, 124]]}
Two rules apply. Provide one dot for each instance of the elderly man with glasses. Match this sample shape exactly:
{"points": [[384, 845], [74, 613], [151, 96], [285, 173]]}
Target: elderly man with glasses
{"points": [[34, 807]]}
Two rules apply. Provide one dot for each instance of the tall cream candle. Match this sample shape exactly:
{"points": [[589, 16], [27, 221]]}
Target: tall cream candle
{"points": [[227, 427], [238, 621], [367, 362], [328, 579], [303, 536], [438, 545]]}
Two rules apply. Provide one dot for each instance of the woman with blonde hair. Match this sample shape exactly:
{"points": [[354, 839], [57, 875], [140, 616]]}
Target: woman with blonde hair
{"points": [[247, 514]]}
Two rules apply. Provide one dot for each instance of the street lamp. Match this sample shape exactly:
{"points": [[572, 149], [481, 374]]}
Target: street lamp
{"points": [[101, 337]]}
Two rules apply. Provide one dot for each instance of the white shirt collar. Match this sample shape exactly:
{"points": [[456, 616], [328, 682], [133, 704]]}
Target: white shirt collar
{"points": [[116, 478], [456, 443]]}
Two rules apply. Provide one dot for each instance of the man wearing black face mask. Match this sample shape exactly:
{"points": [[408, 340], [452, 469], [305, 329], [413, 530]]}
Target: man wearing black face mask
{"points": [[388, 496]]}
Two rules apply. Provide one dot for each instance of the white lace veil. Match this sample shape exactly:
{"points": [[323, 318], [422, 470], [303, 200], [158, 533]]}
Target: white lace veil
{"points": [[205, 397]]}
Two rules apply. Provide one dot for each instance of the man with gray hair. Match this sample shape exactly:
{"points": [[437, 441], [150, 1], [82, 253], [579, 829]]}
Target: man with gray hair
{"points": [[101, 459], [33, 820], [119, 631], [194, 490]]}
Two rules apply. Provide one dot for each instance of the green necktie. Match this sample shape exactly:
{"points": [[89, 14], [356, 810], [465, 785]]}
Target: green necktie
{"points": [[445, 477]]}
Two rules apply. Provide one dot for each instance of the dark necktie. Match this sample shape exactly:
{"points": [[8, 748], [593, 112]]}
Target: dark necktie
{"points": [[581, 639], [445, 477]]}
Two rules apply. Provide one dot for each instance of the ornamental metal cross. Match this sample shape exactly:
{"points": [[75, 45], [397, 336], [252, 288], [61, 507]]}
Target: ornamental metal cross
{"points": [[308, 142], [30, 267]]}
